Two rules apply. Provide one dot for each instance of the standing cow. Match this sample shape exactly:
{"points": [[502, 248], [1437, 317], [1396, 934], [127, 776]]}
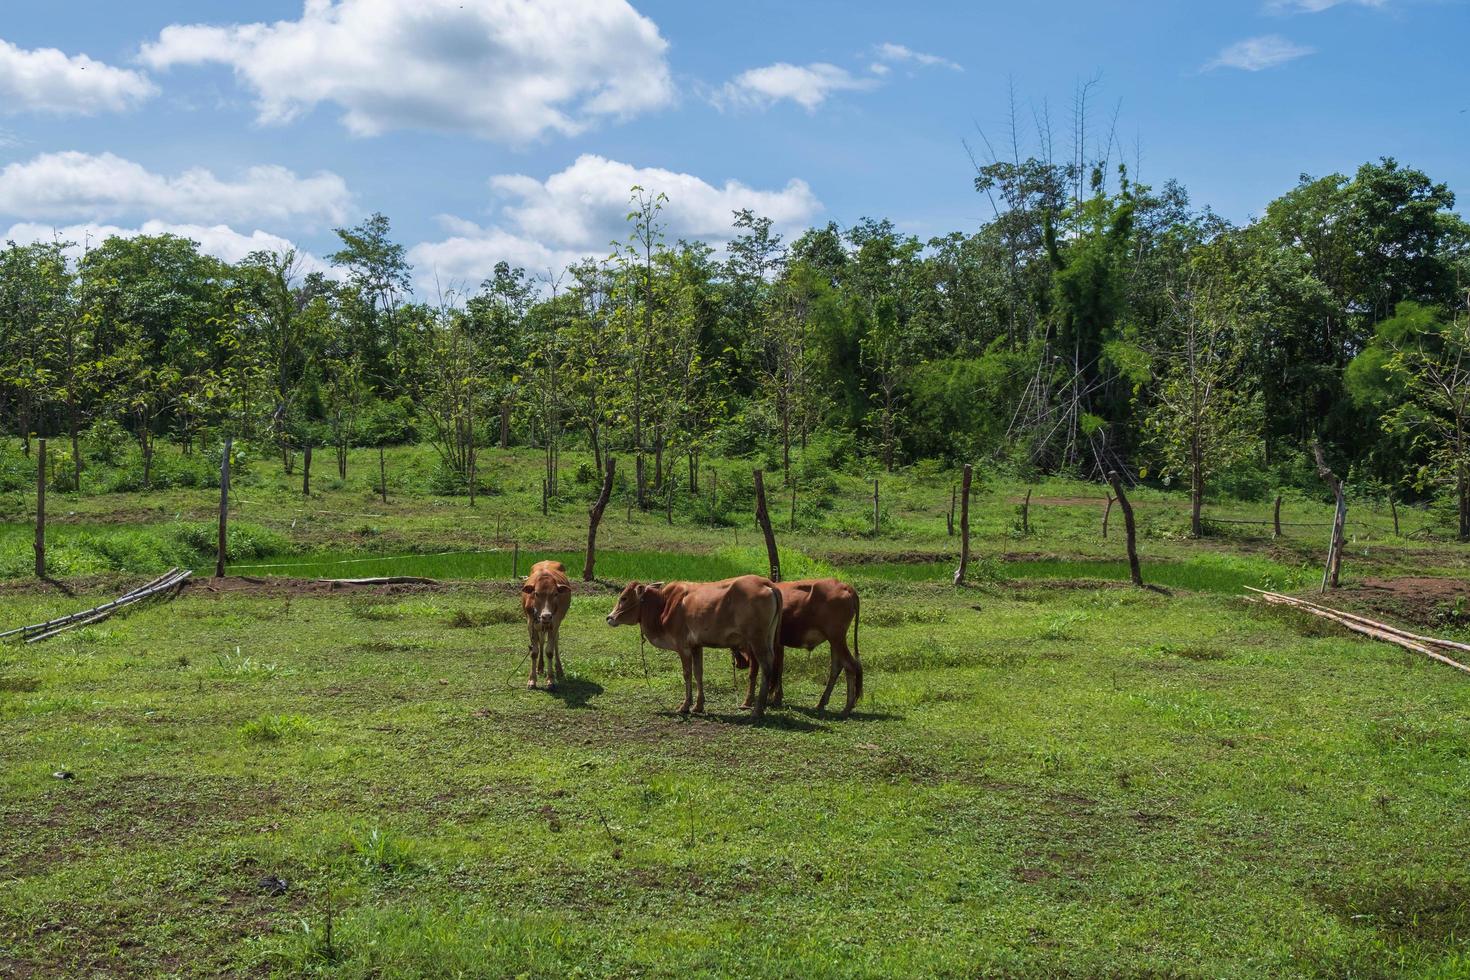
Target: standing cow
{"points": [[545, 598], [686, 617], [814, 612]]}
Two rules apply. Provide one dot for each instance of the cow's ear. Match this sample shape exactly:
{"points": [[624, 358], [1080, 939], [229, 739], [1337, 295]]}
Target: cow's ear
{"points": [[655, 585], [528, 588], [563, 587]]}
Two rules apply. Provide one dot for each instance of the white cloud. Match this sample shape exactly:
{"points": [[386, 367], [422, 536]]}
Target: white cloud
{"points": [[221, 241], [582, 210], [889, 52], [87, 187], [48, 80], [1258, 53], [505, 70], [1316, 6], [806, 85]]}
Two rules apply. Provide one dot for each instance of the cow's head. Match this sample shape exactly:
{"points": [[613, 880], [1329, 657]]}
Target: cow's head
{"points": [[539, 598], [630, 603]]}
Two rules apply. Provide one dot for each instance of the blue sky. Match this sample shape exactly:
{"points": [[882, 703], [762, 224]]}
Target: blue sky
{"points": [[498, 129]]}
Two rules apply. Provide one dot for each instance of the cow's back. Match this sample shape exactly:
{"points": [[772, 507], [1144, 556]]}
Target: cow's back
{"points": [[732, 612], [815, 610]]}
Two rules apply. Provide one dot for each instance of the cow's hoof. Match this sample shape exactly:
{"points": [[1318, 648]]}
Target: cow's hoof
{"points": [[699, 709], [683, 709], [551, 685], [746, 706], [530, 685]]}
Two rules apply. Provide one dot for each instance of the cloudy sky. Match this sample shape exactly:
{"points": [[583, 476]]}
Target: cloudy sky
{"points": [[513, 129]]}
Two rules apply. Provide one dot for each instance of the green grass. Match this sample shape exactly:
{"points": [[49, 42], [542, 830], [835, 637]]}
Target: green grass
{"points": [[1055, 781], [1048, 776]]}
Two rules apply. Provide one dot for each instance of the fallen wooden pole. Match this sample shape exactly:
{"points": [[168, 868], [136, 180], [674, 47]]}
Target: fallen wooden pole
{"points": [[1432, 640], [87, 612], [381, 580], [1359, 624], [102, 612]]}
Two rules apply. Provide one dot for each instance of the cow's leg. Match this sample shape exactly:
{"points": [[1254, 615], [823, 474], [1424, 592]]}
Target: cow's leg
{"points": [[754, 673], [686, 661], [851, 667], [535, 656], [697, 655], [832, 673], [767, 663], [778, 665]]}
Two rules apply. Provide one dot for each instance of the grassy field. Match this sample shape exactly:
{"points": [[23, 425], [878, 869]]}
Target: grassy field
{"points": [[1050, 774]]}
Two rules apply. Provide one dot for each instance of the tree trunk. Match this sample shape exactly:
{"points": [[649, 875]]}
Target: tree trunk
{"points": [[505, 424], [963, 570], [1129, 528], [589, 563], [1196, 489], [222, 545], [763, 518], [40, 545], [1276, 518], [1332, 573], [306, 471]]}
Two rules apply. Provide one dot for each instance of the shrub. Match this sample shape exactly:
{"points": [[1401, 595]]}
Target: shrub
{"points": [[274, 728]]}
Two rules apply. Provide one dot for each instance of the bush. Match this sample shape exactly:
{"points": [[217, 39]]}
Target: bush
{"points": [[389, 423], [106, 442]]}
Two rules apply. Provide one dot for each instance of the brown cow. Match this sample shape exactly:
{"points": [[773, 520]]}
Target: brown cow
{"points": [[545, 598], [814, 612], [686, 617]]}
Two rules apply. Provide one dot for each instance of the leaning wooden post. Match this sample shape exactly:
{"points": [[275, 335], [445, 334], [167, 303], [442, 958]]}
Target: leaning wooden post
{"points": [[40, 508], [764, 520], [959, 573], [1026, 513], [1129, 529], [1276, 518], [382, 475], [515, 561], [875, 508], [1107, 513], [1333, 571], [306, 471], [596, 518], [1393, 506], [222, 546]]}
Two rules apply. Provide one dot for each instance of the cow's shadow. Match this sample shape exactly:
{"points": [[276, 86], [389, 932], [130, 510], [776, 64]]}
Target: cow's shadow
{"points": [[834, 715], [576, 692], [775, 718]]}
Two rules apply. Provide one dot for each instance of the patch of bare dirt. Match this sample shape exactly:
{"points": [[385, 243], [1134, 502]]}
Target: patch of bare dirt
{"points": [[1417, 600]]}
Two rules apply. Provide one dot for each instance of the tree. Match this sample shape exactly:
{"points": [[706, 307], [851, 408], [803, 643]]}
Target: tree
{"points": [[1417, 372], [1201, 420], [378, 280]]}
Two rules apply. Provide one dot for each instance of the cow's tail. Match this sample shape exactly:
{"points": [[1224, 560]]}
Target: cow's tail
{"points": [[857, 659], [775, 630]]}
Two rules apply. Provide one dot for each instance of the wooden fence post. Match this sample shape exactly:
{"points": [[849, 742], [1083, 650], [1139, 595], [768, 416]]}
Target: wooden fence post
{"points": [[793, 503], [306, 471], [40, 508], [474, 459], [1026, 514], [515, 561], [764, 520], [222, 546], [1276, 518], [1107, 513], [596, 518], [959, 574], [382, 475], [1129, 528], [1393, 506], [1332, 573], [543, 498], [875, 508]]}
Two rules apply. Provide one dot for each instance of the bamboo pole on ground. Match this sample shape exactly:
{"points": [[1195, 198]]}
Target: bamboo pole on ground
{"points": [[1129, 528], [963, 570], [1371, 628], [594, 519], [222, 546], [763, 518]]}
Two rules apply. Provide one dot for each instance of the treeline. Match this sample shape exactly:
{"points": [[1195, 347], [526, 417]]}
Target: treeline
{"points": [[1093, 324]]}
